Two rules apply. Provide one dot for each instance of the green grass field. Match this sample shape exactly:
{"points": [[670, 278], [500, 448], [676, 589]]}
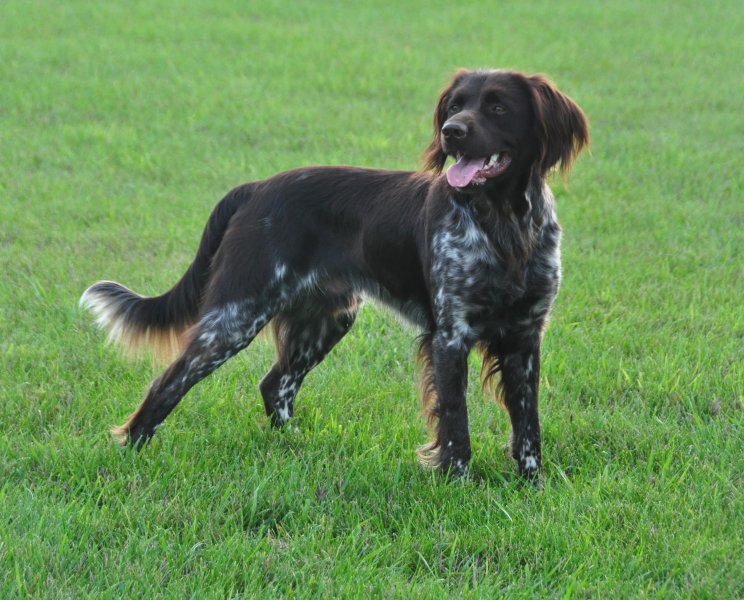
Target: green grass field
{"points": [[121, 124]]}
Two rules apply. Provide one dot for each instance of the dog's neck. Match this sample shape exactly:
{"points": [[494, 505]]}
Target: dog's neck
{"points": [[519, 201], [511, 217]]}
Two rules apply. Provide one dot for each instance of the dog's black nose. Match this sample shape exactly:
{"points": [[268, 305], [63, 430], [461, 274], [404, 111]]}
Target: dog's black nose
{"points": [[453, 129]]}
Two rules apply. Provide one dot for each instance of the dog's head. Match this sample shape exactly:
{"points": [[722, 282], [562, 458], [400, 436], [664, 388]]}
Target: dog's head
{"points": [[499, 125]]}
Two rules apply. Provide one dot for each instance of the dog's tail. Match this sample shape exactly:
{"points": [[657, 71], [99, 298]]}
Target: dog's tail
{"points": [[161, 323]]}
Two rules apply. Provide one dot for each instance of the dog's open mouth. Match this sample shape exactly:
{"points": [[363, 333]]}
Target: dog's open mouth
{"points": [[468, 170]]}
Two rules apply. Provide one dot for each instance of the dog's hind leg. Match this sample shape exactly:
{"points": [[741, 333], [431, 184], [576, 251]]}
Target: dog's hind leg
{"points": [[304, 334], [220, 333]]}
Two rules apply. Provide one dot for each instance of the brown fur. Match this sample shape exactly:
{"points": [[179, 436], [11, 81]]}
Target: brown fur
{"points": [[428, 453], [472, 262]]}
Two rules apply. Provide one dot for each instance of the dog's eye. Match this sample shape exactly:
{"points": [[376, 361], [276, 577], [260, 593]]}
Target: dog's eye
{"points": [[498, 109], [453, 109]]}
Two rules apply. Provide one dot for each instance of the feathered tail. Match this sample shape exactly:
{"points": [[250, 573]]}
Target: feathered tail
{"points": [[161, 323]]}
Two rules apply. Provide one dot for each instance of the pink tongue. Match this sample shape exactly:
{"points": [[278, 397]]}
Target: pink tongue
{"points": [[462, 172]]}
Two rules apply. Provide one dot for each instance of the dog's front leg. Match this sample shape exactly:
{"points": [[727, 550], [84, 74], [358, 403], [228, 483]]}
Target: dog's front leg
{"points": [[520, 376], [449, 360]]}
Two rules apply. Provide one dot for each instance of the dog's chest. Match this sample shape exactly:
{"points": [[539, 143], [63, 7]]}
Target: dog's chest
{"points": [[473, 292]]}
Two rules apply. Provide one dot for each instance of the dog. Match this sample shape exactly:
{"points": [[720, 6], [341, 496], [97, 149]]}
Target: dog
{"points": [[471, 257]]}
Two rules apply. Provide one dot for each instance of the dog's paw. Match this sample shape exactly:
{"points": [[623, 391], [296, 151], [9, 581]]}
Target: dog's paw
{"points": [[457, 470], [531, 470], [132, 436], [453, 463]]}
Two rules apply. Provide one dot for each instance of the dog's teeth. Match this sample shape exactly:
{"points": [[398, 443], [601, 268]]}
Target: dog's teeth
{"points": [[494, 159]]}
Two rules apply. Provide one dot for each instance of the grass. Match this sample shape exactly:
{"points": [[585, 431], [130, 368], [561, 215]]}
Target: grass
{"points": [[121, 124]]}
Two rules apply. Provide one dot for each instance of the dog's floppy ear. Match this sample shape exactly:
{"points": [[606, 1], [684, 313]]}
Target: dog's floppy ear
{"points": [[561, 126], [434, 157]]}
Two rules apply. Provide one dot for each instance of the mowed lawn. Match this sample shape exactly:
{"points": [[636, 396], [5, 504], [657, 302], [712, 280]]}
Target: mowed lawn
{"points": [[121, 124]]}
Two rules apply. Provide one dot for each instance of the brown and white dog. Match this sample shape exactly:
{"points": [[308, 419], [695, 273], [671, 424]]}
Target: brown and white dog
{"points": [[471, 258]]}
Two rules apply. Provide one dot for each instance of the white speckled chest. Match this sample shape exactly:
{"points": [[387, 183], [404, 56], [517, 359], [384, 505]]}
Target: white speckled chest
{"points": [[471, 294]]}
